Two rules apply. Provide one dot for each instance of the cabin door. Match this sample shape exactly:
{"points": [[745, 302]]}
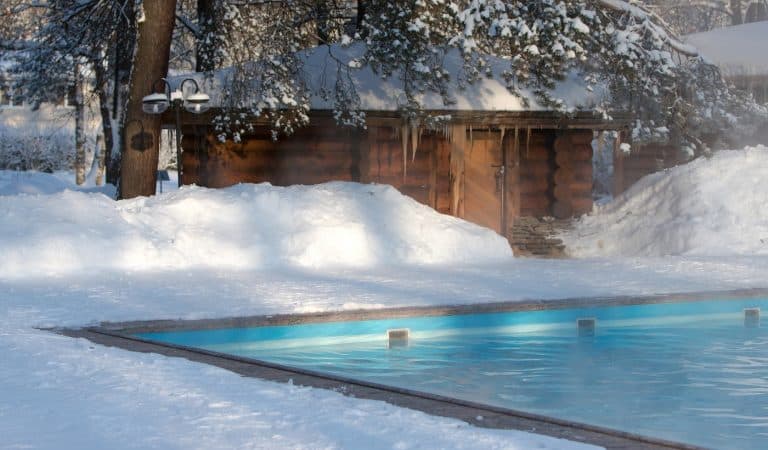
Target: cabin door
{"points": [[484, 180]]}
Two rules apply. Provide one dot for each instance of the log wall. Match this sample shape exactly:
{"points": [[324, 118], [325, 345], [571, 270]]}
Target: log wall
{"points": [[547, 172], [641, 161], [555, 173], [316, 155]]}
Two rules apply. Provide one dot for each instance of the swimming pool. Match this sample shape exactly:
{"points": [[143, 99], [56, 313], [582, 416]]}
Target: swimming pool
{"points": [[695, 372]]}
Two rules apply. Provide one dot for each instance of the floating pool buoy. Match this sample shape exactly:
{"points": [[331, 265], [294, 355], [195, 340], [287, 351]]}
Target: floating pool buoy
{"points": [[398, 337], [751, 317], [586, 326]]}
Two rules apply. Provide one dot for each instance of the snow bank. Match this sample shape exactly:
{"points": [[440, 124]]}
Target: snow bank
{"points": [[711, 207], [242, 227], [737, 50]]}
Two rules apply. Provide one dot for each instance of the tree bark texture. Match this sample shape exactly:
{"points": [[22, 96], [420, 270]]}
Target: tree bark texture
{"points": [[107, 143], [736, 17], [141, 132], [79, 127]]}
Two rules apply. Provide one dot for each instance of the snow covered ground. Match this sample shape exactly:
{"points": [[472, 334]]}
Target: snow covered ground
{"points": [[73, 258]]}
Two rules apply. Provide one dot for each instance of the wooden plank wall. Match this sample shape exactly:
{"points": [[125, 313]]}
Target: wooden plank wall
{"points": [[641, 161], [482, 186], [311, 156], [537, 167], [538, 178], [426, 177], [573, 176], [316, 155]]}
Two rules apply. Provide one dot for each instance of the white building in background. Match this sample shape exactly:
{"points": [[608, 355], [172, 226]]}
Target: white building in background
{"points": [[42, 138], [740, 53]]}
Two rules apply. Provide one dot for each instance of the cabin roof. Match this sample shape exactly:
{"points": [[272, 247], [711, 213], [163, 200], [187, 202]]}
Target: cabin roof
{"points": [[738, 50], [376, 93], [479, 119]]}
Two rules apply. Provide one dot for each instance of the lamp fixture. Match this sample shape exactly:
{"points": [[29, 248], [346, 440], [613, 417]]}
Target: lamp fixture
{"points": [[157, 103]]}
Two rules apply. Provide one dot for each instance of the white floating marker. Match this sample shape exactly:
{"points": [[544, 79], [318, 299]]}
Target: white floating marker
{"points": [[398, 337], [751, 317], [586, 326]]}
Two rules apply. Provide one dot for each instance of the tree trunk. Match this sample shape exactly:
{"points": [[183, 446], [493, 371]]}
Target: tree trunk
{"points": [[141, 132], [79, 127], [107, 132], [360, 19], [322, 17], [99, 161], [736, 16]]}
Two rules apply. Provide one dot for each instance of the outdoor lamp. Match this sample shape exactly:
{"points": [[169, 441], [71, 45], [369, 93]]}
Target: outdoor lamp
{"points": [[197, 103], [157, 103]]}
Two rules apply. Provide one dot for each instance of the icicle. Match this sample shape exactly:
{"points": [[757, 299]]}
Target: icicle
{"points": [[404, 141], [528, 144], [458, 146], [415, 139], [516, 150], [503, 132]]}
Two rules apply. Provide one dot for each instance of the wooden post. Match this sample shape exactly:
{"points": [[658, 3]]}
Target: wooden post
{"points": [[563, 178]]}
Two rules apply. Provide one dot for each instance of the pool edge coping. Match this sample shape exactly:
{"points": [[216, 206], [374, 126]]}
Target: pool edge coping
{"points": [[400, 312]]}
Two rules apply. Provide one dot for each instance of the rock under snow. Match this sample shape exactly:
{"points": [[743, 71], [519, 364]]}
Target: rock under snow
{"points": [[714, 206]]}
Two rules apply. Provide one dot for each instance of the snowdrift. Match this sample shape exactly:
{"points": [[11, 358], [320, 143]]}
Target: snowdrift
{"points": [[242, 227], [716, 206]]}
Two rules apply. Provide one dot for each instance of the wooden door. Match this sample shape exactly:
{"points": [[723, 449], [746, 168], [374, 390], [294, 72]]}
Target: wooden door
{"points": [[484, 180]]}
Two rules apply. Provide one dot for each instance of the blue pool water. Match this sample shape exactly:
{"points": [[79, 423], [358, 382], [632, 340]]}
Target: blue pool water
{"points": [[691, 372]]}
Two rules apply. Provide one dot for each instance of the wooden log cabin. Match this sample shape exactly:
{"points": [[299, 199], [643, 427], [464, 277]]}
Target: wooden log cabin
{"points": [[490, 168], [498, 158]]}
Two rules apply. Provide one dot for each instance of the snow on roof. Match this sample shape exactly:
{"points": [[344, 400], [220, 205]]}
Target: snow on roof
{"points": [[737, 50], [386, 94]]}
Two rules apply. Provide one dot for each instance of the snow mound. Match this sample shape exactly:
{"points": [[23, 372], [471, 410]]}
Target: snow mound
{"points": [[242, 227], [713, 207]]}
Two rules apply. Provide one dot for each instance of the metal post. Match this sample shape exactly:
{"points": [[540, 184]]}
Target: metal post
{"points": [[177, 107]]}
